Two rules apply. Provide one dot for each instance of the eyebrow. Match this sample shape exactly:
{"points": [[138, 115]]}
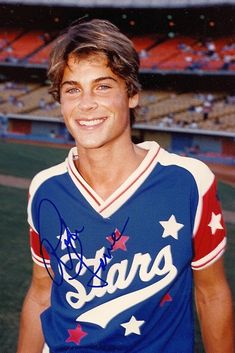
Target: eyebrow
{"points": [[75, 83]]}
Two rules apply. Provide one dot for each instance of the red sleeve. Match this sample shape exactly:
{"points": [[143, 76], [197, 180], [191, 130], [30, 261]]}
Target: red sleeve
{"points": [[209, 241], [39, 254]]}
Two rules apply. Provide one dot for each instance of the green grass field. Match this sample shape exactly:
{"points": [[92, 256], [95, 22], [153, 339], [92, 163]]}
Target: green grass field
{"points": [[24, 161]]}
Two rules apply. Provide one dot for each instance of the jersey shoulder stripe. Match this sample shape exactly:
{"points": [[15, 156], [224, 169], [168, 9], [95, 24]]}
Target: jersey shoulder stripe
{"points": [[201, 173], [39, 179], [209, 236]]}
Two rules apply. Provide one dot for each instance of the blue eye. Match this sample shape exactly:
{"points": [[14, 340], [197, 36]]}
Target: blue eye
{"points": [[103, 87], [72, 90]]}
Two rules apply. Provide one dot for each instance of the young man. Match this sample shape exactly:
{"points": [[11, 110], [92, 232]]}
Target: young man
{"points": [[119, 231]]}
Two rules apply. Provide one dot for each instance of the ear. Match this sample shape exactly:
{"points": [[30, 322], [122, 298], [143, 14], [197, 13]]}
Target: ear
{"points": [[134, 101]]}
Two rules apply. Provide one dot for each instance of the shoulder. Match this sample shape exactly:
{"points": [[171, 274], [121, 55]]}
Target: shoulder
{"points": [[201, 173], [38, 184], [45, 175], [198, 171]]}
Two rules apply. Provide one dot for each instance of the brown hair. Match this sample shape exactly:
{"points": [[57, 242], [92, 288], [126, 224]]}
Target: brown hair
{"points": [[100, 36]]}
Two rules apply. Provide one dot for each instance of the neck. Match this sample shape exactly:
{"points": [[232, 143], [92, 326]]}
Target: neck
{"points": [[105, 169]]}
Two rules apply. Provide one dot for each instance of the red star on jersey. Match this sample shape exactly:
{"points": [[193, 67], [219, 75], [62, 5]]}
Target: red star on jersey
{"points": [[167, 298], [118, 240], [75, 335]]}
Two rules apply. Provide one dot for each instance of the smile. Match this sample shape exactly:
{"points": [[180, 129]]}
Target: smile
{"points": [[92, 122]]}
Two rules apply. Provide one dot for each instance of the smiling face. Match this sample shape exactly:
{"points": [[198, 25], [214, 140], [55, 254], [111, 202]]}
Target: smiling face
{"points": [[94, 102]]}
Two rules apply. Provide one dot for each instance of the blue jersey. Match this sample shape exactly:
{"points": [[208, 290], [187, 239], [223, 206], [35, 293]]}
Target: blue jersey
{"points": [[123, 266]]}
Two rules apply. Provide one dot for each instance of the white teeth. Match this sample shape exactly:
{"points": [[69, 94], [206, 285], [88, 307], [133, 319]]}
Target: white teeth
{"points": [[90, 122]]}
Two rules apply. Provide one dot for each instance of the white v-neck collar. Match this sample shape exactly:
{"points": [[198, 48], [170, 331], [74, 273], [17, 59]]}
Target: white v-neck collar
{"points": [[107, 207]]}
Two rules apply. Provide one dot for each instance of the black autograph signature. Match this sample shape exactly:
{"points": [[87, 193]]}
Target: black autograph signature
{"points": [[73, 245]]}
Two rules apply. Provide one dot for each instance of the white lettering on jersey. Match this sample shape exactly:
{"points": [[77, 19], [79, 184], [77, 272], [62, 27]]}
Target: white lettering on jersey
{"points": [[118, 278]]}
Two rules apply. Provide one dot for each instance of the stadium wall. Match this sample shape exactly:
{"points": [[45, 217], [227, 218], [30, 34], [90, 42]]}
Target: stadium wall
{"points": [[211, 146]]}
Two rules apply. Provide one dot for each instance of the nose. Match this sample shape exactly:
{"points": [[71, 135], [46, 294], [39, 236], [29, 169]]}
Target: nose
{"points": [[87, 102]]}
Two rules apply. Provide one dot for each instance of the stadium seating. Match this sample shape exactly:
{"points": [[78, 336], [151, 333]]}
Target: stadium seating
{"points": [[41, 56], [156, 51], [164, 51], [23, 102], [171, 109], [181, 53], [163, 108], [23, 46], [144, 42], [7, 37]]}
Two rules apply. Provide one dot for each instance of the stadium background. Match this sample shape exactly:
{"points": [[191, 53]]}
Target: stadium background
{"points": [[187, 52], [187, 72]]}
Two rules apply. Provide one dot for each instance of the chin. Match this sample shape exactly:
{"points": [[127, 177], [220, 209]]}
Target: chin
{"points": [[89, 144]]}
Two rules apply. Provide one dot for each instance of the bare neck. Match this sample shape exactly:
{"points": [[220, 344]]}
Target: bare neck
{"points": [[105, 169]]}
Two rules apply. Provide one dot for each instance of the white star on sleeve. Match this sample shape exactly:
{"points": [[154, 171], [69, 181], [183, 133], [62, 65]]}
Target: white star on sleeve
{"points": [[133, 326], [215, 222], [171, 227]]}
